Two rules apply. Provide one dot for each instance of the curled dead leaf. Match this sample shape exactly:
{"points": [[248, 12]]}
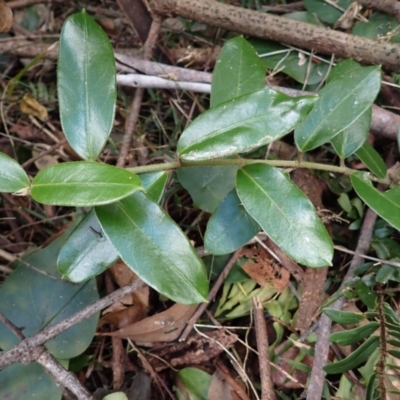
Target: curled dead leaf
{"points": [[29, 105], [6, 17]]}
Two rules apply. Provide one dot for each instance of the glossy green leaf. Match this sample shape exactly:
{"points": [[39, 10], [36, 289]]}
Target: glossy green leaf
{"points": [[207, 186], [237, 71], [394, 353], [351, 139], [325, 11], [341, 102], [343, 317], [304, 16], [155, 248], [366, 295], [154, 184], [35, 301], [86, 85], [378, 25], [372, 392], [195, 382], [372, 159], [19, 381], [87, 252], [285, 214], [12, 176], [242, 124], [83, 184], [385, 204], [277, 57], [352, 336], [354, 359], [230, 227]]}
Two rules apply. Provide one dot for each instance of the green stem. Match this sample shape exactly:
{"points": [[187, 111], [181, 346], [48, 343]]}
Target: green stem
{"points": [[240, 162]]}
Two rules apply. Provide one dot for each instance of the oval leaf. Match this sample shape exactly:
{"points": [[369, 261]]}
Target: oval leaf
{"points": [[155, 248], [230, 227], [207, 186], [86, 85], [12, 176], [372, 159], [242, 124], [354, 359], [285, 214], [154, 184], [343, 317], [87, 252], [341, 102], [385, 204], [353, 137], [82, 184], [351, 336], [237, 71]]}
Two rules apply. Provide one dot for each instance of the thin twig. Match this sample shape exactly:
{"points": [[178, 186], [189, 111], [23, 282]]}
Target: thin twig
{"points": [[213, 292], [29, 162], [267, 386]]}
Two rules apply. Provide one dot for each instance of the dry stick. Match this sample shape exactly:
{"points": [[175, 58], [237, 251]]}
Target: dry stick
{"points": [[316, 384], [137, 99], [267, 386], [63, 377], [267, 26], [28, 163], [391, 7], [213, 292], [23, 349]]}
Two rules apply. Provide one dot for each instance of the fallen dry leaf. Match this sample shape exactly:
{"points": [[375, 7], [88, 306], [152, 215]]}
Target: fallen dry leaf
{"points": [[29, 105], [6, 17]]}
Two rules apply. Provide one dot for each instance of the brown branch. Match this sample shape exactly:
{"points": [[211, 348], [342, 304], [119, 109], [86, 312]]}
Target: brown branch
{"points": [[284, 30], [391, 7], [20, 351], [267, 386]]}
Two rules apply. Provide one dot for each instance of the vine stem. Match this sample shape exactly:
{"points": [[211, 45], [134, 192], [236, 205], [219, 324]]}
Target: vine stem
{"points": [[241, 162]]}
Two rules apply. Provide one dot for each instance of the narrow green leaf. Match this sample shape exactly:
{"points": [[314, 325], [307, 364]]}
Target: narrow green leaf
{"points": [[372, 392], [83, 184], [341, 102], [230, 227], [12, 176], [86, 85], [285, 214], [394, 353], [351, 336], [354, 359], [207, 186], [372, 159], [237, 71], [353, 137], [343, 317], [385, 204], [242, 124], [87, 252], [155, 248]]}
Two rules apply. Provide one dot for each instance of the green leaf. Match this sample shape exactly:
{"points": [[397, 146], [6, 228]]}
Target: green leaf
{"points": [[304, 16], [354, 359], [351, 139], [83, 184], [19, 381], [230, 227], [325, 11], [351, 336], [12, 176], [343, 317], [285, 214], [154, 184], [385, 204], [207, 186], [86, 85], [277, 57], [238, 71], [87, 252], [35, 301], [372, 392], [366, 295], [341, 102], [196, 382], [242, 124], [379, 24], [372, 159], [155, 248]]}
